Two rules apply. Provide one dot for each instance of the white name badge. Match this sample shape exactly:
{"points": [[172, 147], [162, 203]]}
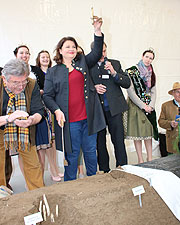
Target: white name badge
{"points": [[105, 76]]}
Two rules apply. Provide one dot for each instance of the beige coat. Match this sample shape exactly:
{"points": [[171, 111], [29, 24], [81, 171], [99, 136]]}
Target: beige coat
{"points": [[168, 113]]}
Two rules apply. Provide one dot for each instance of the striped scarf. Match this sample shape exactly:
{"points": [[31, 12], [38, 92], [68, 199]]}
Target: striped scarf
{"points": [[15, 138]]}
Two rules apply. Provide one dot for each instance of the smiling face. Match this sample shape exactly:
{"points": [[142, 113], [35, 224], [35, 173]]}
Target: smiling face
{"points": [[68, 50], [44, 59], [23, 54], [147, 58]]}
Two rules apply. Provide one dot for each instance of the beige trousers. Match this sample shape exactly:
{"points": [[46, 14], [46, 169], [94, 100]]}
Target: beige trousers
{"points": [[31, 165]]}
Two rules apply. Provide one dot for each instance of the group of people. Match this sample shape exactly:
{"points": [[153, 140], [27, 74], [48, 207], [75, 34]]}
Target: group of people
{"points": [[84, 94]]}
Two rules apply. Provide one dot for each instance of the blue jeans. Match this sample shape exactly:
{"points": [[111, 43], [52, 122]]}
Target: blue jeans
{"points": [[80, 139]]}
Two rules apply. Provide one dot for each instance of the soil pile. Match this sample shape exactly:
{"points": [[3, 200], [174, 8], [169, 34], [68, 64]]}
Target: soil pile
{"points": [[104, 199]]}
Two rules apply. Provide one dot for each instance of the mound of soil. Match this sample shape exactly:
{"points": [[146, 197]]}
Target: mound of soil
{"points": [[103, 199]]}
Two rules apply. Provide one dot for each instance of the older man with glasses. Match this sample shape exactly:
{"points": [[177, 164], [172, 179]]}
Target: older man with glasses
{"points": [[170, 120], [20, 109]]}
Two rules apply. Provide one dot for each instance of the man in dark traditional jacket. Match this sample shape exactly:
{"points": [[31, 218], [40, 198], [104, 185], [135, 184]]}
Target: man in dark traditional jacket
{"points": [[108, 78]]}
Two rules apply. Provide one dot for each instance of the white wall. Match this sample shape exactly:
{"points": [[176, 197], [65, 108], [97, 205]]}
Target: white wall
{"points": [[130, 27]]}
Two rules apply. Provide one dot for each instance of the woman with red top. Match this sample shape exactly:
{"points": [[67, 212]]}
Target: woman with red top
{"points": [[70, 94]]}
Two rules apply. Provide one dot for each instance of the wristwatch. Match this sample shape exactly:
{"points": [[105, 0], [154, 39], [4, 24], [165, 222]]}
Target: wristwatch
{"points": [[7, 117]]}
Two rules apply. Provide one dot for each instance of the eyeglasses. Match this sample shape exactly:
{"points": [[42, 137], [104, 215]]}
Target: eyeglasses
{"points": [[17, 83], [177, 92]]}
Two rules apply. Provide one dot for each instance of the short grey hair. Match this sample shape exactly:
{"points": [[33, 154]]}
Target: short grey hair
{"points": [[15, 67]]}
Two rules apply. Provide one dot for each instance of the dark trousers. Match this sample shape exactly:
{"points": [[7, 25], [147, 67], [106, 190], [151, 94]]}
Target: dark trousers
{"points": [[116, 130], [162, 145], [8, 168]]}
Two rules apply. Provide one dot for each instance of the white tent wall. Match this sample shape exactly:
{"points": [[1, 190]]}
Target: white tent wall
{"points": [[129, 27]]}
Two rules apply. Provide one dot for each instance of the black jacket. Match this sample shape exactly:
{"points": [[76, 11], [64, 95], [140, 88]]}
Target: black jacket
{"points": [[40, 76], [114, 94], [56, 91]]}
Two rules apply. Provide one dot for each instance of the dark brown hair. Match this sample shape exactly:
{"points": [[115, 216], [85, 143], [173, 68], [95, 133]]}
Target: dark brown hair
{"points": [[149, 51], [80, 50], [153, 77], [38, 58], [58, 57], [17, 49]]}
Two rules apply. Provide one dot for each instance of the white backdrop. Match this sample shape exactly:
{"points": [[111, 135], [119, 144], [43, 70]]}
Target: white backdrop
{"points": [[129, 26]]}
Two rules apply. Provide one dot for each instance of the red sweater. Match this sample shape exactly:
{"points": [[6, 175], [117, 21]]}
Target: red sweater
{"points": [[77, 107]]}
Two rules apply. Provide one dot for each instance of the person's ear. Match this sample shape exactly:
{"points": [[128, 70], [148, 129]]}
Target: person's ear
{"points": [[4, 79]]}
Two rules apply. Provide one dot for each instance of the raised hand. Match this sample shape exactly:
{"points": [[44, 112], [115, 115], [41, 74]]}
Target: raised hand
{"points": [[97, 22]]}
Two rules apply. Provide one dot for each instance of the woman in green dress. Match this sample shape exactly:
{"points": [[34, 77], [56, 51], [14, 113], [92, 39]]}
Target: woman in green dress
{"points": [[142, 96]]}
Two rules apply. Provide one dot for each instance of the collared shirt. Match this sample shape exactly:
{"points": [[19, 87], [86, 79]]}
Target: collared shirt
{"points": [[177, 103]]}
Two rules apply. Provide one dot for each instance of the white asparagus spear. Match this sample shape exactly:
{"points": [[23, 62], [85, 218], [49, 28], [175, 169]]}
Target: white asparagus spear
{"points": [[40, 206], [46, 204], [52, 218], [44, 212], [57, 210]]}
